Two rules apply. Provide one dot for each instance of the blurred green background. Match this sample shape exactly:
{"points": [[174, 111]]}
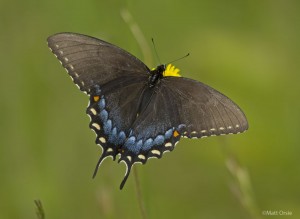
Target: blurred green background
{"points": [[248, 50]]}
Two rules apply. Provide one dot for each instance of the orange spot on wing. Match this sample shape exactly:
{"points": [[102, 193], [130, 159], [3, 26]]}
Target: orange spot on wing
{"points": [[175, 134], [96, 98]]}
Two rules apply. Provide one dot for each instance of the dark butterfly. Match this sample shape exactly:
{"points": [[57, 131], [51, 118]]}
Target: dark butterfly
{"points": [[137, 112]]}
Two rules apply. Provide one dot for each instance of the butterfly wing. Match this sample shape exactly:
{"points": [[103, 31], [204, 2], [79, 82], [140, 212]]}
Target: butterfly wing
{"points": [[192, 108], [180, 107], [203, 110], [114, 80], [93, 62]]}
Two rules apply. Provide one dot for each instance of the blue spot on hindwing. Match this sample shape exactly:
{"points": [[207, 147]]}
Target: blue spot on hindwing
{"points": [[160, 139], [148, 144], [104, 115], [181, 127], [107, 127], [121, 138], [102, 103], [169, 133], [97, 89], [139, 144], [113, 136], [130, 143]]}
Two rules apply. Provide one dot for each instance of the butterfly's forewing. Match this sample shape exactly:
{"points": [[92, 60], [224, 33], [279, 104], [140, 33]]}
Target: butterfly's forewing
{"points": [[90, 61]]}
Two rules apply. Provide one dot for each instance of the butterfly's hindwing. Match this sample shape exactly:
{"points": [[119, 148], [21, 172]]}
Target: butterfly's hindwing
{"points": [[112, 121], [139, 151], [204, 111]]}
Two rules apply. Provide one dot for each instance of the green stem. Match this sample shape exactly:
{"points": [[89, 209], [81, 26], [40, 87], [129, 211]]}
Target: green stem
{"points": [[39, 209], [138, 35], [139, 194], [241, 185]]}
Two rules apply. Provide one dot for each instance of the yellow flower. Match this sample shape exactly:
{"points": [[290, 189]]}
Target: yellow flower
{"points": [[171, 71]]}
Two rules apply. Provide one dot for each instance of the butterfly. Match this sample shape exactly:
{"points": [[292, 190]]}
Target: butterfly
{"points": [[137, 112]]}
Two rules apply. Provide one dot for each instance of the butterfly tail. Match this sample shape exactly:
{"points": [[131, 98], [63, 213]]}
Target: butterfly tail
{"points": [[102, 157], [128, 169]]}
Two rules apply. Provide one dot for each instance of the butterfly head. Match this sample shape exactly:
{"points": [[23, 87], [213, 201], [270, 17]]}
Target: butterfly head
{"points": [[162, 71], [159, 69], [166, 71]]}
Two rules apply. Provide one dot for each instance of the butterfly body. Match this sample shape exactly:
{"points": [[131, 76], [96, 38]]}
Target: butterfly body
{"points": [[136, 112], [156, 75]]}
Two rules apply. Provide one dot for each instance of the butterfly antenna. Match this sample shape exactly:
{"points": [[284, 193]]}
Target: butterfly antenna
{"points": [[179, 58], [156, 54]]}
